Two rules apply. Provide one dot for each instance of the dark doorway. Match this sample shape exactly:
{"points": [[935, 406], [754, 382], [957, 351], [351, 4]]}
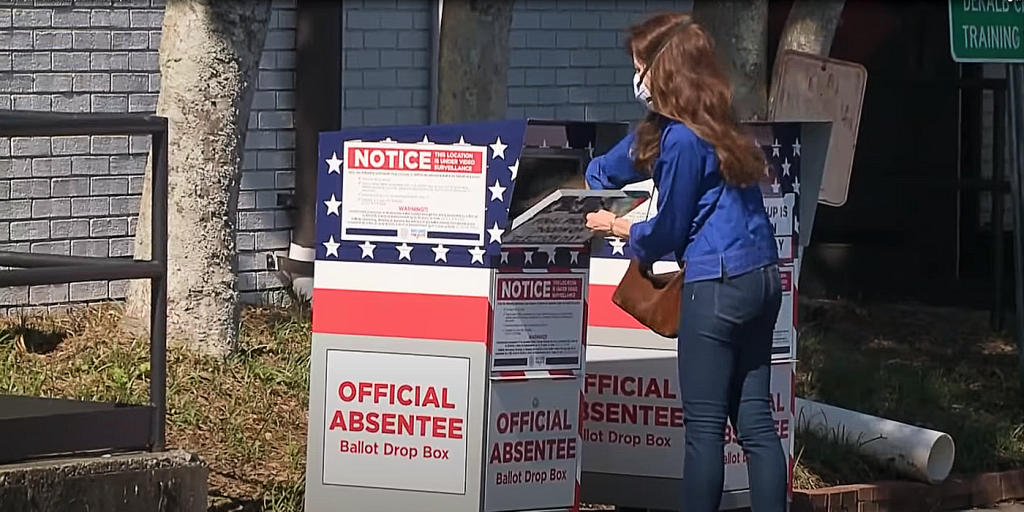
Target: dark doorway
{"points": [[900, 235]]}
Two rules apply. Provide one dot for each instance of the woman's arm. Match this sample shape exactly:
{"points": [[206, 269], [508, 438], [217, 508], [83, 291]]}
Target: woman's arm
{"points": [[614, 169], [678, 172]]}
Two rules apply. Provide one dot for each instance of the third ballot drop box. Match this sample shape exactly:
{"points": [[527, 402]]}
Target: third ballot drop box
{"points": [[633, 417]]}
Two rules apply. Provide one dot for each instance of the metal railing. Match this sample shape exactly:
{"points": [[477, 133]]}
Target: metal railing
{"points": [[997, 185], [33, 427]]}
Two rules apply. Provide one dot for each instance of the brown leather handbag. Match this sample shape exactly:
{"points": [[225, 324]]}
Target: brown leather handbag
{"points": [[652, 299]]}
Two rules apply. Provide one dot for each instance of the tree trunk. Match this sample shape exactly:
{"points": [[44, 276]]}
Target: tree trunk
{"points": [[811, 26], [740, 30], [209, 53], [473, 60]]}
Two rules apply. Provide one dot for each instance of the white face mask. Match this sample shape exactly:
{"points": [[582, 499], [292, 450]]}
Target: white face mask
{"points": [[640, 91]]}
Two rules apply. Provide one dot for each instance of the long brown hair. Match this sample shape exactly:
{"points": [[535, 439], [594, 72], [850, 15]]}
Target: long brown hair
{"points": [[686, 84]]}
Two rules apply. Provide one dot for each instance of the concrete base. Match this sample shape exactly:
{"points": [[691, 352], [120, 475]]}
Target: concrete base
{"points": [[174, 481]]}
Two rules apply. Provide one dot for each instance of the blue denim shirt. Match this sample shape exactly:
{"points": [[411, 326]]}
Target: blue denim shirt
{"points": [[714, 228]]}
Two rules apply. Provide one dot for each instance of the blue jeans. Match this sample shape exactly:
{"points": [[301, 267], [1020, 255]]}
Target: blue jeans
{"points": [[725, 343]]}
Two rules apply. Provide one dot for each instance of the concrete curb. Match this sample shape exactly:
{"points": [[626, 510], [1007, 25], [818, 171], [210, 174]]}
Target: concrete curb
{"points": [[957, 492], [174, 481]]}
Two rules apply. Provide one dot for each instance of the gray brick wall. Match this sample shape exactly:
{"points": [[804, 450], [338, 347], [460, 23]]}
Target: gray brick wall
{"points": [[567, 59], [386, 59], [79, 195]]}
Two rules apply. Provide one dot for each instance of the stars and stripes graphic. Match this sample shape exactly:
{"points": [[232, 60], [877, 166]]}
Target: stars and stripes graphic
{"points": [[439, 289], [782, 176], [502, 142]]}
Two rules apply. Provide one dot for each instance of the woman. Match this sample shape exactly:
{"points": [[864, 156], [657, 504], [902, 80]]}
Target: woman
{"points": [[711, 216]]}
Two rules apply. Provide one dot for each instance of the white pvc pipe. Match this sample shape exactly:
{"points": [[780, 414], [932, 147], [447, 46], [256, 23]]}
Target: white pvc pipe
{"points": [[923, 454]]}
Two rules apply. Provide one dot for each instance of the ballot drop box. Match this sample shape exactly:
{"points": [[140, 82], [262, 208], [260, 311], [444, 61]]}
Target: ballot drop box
{"points": [[449, 316], [632, 414]]}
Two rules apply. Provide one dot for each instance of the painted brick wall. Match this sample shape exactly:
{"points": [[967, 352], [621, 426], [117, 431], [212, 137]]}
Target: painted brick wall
{"points": [[386, 61], [567, 59], [79, 195]]}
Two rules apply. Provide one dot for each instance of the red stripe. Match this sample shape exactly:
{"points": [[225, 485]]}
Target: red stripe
{"points": [[583, 406], [796, 307], [562, 373], [792, 393], [490, 332], [559, 270], [583, 335], [512, 374], [604, 312], [576, 496], [401, 315], [792, 468]]}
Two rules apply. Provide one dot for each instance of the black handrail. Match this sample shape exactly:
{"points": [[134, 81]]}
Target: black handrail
{"points": [[42, 269]]}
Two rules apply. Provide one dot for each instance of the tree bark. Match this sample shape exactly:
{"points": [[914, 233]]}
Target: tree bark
{"points": [[740, 30], [811, 26], [209, 53], [473, 60]]}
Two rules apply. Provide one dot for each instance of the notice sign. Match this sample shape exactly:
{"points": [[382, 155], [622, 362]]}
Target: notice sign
{"points": [[538, 321], [785, 333], [633, 415], [781, 212], [416, 193], [396, 421], [532, 449]]}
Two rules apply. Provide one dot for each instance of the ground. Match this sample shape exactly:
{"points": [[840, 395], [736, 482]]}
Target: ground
{"points": [[937, 368], [246, 416]]}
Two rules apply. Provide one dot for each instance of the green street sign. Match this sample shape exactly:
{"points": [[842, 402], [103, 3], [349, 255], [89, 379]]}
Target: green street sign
{"points": [[986, 30]]}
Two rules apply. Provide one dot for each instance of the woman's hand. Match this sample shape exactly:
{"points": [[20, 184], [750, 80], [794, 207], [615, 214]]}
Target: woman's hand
{"points": [[607, 222]]}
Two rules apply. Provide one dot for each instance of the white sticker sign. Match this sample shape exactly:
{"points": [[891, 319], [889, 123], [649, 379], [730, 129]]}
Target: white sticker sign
{"points": [[784, 335], [413, 193], [396, 421], [532, 449], [538, 321], [633, 415], [782, 214]]}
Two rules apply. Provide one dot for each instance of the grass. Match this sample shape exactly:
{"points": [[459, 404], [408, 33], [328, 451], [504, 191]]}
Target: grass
{"points": [[246, 416], [942, 369]]}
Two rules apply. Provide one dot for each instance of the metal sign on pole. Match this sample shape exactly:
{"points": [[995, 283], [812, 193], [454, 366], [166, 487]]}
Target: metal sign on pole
{"points": [[1015, 76]]}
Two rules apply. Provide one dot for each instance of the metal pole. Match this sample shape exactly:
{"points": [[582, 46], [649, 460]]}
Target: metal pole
{"points": [[998, 206], [1015, 86], [158, 289]]}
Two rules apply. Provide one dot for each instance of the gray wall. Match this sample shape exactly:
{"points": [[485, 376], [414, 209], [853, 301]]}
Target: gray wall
{"points": [[566, 60], [79, 195]]}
